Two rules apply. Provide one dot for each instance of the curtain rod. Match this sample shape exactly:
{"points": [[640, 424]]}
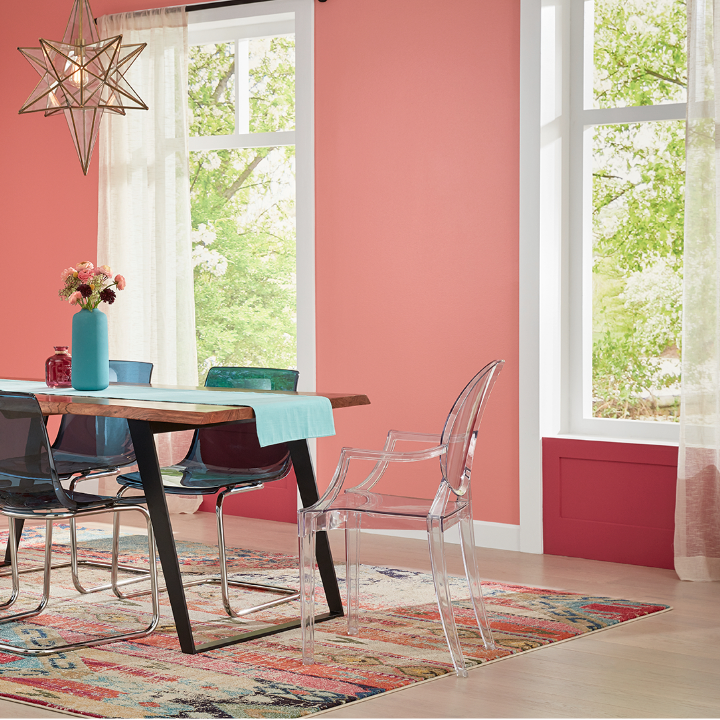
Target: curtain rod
{"points": [[220, 3], [223, 3]]}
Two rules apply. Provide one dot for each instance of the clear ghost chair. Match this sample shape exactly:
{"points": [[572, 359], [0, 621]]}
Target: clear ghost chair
{"points": [[30, 489], [360, 506]]}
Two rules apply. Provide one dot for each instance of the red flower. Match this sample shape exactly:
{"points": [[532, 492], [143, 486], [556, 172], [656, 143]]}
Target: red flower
{"points": [[107, 295]]}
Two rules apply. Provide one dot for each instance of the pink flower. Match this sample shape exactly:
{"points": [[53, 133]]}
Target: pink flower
{"points": [[120, 282], [65, 274], [75, 298], [103, 270], [85, 275], [86, 265]]}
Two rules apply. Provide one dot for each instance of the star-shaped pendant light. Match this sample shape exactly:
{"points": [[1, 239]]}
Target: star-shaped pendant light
{"points": [[82, 76]]}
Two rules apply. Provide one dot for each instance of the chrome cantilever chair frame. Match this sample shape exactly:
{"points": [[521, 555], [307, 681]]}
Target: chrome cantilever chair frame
{"points": [[31, 490], [359, 505], [48, 566], [75, 562], [243, 378], [224, 581]]}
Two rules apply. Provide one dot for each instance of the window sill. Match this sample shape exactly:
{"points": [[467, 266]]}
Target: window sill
{"points": [[603, 438]]}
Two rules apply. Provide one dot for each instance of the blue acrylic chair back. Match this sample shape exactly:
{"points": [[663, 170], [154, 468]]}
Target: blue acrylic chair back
{"points": [[252, 378], [86, 443], [28, 479], [217, 451]]}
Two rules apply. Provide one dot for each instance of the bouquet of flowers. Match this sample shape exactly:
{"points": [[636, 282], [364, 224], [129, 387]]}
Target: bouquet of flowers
{"points": [[88, 286]]}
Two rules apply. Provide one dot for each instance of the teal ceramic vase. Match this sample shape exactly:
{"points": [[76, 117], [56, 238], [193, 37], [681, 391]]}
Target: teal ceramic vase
{"points": [[90, 362]]}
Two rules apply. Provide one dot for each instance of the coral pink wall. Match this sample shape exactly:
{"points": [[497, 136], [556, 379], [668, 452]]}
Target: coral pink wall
{"points": [[49, 208], [416, 116], [417, 107]]}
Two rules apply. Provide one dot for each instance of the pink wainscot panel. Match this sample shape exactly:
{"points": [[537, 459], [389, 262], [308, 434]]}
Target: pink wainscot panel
{"points": [[609, 501]]}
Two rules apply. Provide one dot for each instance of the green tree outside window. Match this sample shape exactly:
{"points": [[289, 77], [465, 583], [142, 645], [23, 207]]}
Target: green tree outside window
{"points": [[638, 210], [243, 208]]}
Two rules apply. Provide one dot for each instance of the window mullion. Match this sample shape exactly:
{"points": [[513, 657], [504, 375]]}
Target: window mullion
{"points": [[239, 141], [641, 113], [242, 87]]}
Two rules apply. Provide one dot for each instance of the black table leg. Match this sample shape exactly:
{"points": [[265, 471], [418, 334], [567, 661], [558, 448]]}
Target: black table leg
{"points": [[19, 522], [149, 468], [307, 486]]}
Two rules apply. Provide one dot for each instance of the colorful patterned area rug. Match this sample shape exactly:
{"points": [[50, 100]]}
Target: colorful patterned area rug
{"points": [[401, 641]]}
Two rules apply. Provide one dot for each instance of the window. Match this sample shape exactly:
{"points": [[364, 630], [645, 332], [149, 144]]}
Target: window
{"points": [[626, 201], [601, 205], [560, 121], [633, 160], [250, 90]]}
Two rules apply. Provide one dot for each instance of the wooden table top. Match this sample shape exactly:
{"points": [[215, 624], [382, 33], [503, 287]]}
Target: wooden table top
{"points": [[182, 413]]}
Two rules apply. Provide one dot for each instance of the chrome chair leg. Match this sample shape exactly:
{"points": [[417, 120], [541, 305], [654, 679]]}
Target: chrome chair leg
{"points": [[5, 573], [113, 566], [74, 564], [12, 547], [289, 593], [16, 580], [44, 651]]}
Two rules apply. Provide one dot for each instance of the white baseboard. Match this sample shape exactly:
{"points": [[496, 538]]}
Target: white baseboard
{"points": [[498, 536]]}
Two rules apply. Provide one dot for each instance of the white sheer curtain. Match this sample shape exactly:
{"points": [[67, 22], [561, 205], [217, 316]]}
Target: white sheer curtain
{"points": [[144, 211], [697, 513], [144, 201]]}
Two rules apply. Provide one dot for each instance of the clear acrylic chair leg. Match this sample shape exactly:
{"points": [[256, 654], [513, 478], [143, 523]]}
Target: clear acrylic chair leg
{"points": [[307, 588], [352, 570], [436, 543], [467, 544]]}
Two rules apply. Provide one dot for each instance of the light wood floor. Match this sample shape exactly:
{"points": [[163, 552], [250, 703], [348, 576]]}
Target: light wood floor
{"points": [[664, 666]]}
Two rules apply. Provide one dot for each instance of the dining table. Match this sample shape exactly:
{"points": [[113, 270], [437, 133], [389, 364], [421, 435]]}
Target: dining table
{"points": [[147, 418]]}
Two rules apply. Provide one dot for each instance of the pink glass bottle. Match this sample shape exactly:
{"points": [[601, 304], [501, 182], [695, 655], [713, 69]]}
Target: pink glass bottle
{"points": [[57, 368]]}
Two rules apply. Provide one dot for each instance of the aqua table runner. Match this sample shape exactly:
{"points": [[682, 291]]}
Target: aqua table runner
{"points": [[280, 418]]}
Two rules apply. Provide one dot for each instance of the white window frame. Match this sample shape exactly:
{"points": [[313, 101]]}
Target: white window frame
{"points": [[236, 22], [554, 307]]}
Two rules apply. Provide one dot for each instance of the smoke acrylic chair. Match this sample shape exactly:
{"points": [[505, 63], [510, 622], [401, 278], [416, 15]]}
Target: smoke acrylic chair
{"points": [[360, 506], [228, 460], [30, 488], [88, 447]]}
